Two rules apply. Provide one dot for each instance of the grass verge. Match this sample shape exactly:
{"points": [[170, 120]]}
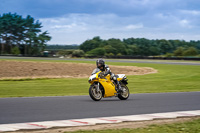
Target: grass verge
{"points": [[182, 127]]}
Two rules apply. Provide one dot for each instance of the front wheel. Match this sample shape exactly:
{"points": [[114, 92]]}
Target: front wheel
{"points": [[124, 94], [95, 94]]}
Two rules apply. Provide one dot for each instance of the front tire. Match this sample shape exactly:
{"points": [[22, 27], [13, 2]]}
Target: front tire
{"points": [[94, 94], [125, 94]]}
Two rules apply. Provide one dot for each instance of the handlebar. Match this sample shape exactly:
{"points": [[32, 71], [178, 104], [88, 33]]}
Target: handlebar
{"points": [[101, 75]]}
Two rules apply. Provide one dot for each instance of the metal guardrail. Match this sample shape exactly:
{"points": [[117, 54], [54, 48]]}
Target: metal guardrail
{"points": [[146, 57]]}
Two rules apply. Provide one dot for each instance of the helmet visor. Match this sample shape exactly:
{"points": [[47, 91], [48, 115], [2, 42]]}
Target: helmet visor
{"points": [[99, 65]]}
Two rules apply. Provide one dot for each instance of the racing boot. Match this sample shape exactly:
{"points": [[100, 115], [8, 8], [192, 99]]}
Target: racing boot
{"points": [[119, 88]]}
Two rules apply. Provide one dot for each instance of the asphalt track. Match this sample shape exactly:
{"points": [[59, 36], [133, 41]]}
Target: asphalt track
{"points": [[109, 60], [34, 109]]}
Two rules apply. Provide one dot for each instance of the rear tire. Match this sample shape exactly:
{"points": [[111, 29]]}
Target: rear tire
{"points": [[125, 94], [96, 96]]}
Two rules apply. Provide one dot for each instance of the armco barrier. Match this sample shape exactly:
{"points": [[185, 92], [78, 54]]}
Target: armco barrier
{"points": [[146, 57]]}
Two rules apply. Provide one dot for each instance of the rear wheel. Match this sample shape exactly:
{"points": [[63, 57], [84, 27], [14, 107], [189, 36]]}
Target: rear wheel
{"points": [[124, 94], [95, 94]]}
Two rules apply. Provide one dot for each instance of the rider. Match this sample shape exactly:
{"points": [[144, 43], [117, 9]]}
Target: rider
{"points": [[101, 66]]}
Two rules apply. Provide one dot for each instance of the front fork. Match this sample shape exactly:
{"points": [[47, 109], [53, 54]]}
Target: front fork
{"points": [[98, 87]]}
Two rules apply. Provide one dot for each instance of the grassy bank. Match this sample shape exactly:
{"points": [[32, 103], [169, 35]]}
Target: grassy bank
{"points": [[184, 127], [170, 78]]}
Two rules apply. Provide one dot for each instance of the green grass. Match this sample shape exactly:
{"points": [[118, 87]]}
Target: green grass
{"points": [[184, 127], [170, 78], [43, 87]]}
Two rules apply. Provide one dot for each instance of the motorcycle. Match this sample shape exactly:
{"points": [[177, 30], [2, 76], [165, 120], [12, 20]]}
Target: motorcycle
{"points": [[102, 86]]}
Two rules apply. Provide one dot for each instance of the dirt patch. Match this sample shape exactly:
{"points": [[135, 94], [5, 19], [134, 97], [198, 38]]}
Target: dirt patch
{"points": [[133, 125], [24, 69]]}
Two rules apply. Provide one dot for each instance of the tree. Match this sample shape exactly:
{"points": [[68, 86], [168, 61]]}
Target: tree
{"points": [[8, 30], [91, 44], [191, 51], [165, 46], [133, 50], [118, 45], [179, 51], [24, 33], [154, 50], [42, 39], [61, 47], [110, 49]]}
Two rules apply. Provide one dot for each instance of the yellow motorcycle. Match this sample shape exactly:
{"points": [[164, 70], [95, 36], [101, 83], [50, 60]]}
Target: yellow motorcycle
{"points": [[103, 86]]}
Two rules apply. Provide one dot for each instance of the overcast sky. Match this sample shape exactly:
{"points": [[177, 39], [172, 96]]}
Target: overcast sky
{"points": [[74, 21]]}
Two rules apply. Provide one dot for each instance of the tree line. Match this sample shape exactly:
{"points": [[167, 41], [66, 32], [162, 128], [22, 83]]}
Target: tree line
{"points": [[61, 47], [139, 47], [20, 35]]}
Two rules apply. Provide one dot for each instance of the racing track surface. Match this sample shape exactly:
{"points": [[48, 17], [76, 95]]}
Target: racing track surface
{"points": [[18, 110]]}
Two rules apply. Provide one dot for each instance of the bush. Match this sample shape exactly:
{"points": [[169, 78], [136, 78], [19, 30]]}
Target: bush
{"points": [[15, 51], [97, 52], [64, 52], [110, 54], [119, 54], [168, 55], [78, 53]]}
